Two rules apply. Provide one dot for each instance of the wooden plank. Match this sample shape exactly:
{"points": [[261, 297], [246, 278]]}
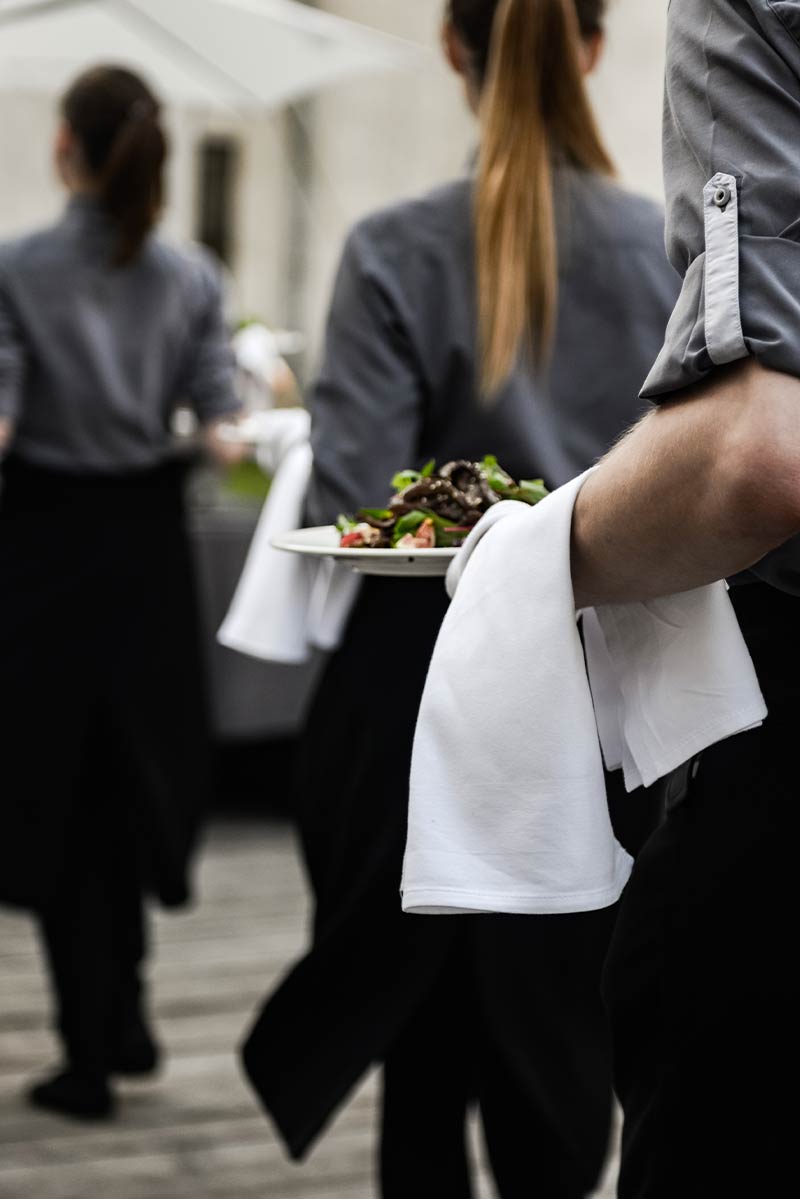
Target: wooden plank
{"points": [[196, 1132]]}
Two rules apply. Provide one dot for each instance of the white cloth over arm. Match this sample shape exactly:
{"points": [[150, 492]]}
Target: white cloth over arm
{"points": [[286, 604], [508, 809]]}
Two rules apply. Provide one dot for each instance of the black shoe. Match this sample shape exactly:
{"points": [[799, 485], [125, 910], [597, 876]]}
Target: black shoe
{"points": [[137, 1053], [70, 1093]]}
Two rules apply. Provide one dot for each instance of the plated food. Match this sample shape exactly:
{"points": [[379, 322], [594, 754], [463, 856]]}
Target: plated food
{"points": [[435, 509]]}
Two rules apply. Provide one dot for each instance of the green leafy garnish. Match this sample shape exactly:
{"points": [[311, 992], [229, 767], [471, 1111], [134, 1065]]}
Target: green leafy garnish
{"points": [[345, 524], [532, 491], [448, 533], [450, 536], [529, 491], [405, 478], [376, 513], [498, 479], [409, 524]]}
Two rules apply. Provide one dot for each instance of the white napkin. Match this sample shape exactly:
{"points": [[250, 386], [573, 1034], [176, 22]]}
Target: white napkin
{"points": [[285, 605], [508, 809]]}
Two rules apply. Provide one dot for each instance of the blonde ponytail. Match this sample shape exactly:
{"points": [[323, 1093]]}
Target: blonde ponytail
{"points": [[534, 108]]}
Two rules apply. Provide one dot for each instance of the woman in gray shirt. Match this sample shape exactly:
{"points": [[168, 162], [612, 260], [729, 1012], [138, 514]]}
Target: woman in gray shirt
{"points": [[426, 357], [104, 329]]}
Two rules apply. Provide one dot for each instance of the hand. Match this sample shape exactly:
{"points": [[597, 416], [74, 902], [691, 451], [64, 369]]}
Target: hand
{"points": [[224, 453], [6, 433], [284, 386]]}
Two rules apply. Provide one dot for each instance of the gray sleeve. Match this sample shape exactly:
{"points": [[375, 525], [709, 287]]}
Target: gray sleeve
{"points": [[731, 137], [12, 357], [367, 403], [209, 382]]}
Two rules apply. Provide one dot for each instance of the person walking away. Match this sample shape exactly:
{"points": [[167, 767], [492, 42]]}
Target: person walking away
{"points": [[104, 330], [429, 356]]}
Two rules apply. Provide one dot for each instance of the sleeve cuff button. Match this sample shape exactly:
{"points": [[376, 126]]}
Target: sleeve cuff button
{"points": [[722, 197]]}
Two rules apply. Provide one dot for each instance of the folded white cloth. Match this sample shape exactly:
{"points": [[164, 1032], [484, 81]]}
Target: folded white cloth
{"points": [[508, 809], [286, 605]]}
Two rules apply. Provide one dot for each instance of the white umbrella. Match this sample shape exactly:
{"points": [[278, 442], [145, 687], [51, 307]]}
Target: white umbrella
{"points": [[239, 54]]}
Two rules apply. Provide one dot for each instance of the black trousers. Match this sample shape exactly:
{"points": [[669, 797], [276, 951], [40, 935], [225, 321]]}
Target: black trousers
{"points": [[93, 929], [531, 1053], [700, 983]]}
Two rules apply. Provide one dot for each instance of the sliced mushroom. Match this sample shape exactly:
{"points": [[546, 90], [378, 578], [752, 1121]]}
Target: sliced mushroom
{"points": [[439, 495], [376, 522], [471, 481]]}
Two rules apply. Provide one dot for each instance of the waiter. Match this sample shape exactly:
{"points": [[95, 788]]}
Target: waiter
{"points": [[104, 329], [700, 985], [502, 1011]]}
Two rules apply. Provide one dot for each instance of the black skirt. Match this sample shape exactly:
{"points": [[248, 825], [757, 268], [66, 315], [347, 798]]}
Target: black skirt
{"points": [[99, 648], [533, 981]]}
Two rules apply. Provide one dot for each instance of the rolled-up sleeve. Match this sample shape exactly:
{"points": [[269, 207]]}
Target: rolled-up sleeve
{"points": [[731, 153], [367, 403], [12, 357]]}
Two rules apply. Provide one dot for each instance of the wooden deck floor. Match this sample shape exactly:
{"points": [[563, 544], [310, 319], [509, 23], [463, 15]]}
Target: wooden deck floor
{"points": [[194, 1133]]}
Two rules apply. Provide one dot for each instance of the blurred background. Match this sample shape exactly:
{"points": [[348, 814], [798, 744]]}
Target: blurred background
{"points": [[288, 121], [272, 182]]}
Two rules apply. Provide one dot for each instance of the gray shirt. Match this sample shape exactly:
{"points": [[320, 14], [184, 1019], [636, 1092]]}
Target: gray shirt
{"points": [[731, 146], [95, 359], [399, 378]]}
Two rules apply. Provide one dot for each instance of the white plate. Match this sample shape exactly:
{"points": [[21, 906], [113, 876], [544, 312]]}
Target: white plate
{"points": [[323, 542]]}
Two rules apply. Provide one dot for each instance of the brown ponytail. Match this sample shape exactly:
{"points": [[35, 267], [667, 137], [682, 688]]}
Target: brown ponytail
{"points": [[116, 119], [534, 109]]}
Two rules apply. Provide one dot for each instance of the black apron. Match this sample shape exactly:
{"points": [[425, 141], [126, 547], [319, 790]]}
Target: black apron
{"points": [[99, 645], [700, 985], [532, 982]]}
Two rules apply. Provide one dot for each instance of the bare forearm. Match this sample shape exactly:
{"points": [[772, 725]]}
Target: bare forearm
{"points": [[699, 490]]}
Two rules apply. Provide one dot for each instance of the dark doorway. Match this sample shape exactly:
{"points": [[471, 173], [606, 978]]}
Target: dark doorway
{"points": [[216, 209]]}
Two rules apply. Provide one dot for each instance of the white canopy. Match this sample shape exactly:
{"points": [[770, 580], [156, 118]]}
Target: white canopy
{"points": [[239, 54]]}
